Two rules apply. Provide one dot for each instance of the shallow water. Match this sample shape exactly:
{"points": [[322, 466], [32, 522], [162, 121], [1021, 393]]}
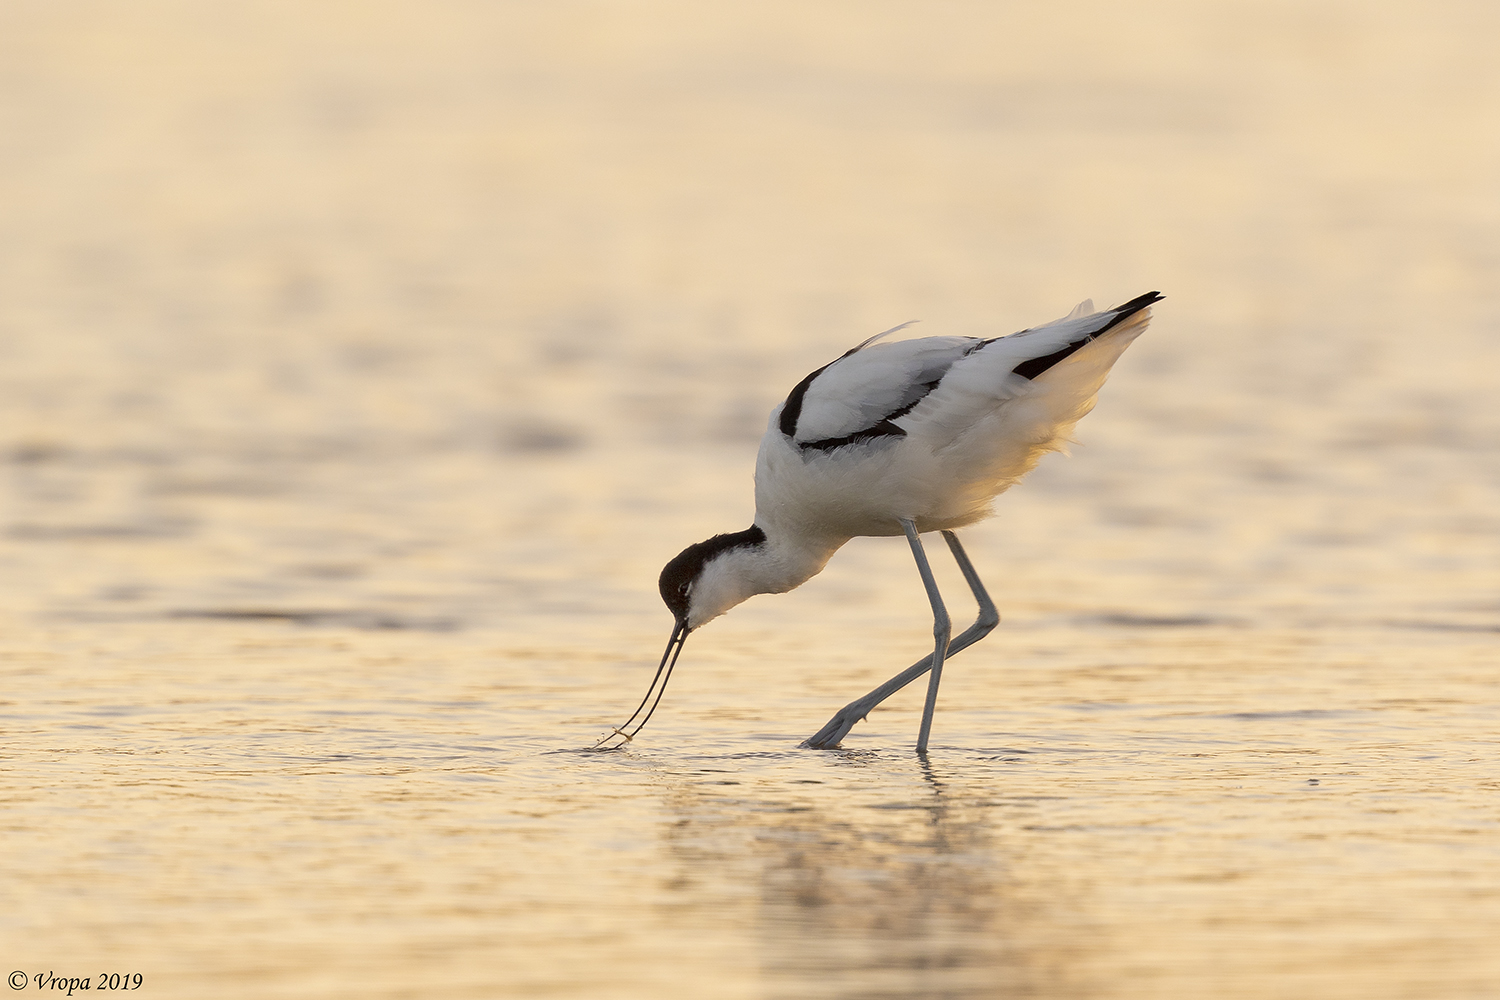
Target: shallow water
{"points": [[359, 368]]}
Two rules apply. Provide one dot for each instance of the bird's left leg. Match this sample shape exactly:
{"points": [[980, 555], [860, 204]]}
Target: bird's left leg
{"points": [[845, 718], [942, 628]]}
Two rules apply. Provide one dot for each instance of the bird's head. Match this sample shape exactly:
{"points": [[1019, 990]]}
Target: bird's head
{"points": [[706, 579]]}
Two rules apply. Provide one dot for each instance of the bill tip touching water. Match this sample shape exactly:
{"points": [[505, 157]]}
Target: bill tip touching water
{"points": [[895, 438]]}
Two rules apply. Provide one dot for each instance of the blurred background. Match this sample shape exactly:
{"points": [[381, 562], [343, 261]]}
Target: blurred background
{"points": [[284, 287], [389, 349]]}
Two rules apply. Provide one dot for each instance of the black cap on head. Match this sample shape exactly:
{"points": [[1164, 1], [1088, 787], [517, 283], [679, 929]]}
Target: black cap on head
{"points": [[678, 575]]}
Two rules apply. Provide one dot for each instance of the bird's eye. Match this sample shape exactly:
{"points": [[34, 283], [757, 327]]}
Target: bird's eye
{"points": [[684, 587]]}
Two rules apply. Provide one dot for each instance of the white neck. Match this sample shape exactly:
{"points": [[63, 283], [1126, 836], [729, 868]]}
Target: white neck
{"points": [[781, 563]]}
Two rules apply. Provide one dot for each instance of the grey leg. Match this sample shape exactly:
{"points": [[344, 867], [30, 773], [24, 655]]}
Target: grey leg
{"points": [[942, 628], [989, 615], [838, 727]]}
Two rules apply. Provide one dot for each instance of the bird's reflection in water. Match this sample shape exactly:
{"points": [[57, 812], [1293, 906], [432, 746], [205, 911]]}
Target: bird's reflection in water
{"points": [[899, 893]]}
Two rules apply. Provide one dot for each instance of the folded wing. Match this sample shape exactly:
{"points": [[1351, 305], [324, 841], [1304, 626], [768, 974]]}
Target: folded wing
{"points": [[866, 394]]}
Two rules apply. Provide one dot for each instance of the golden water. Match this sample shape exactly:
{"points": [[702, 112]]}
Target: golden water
{"points": [[361, 364]]}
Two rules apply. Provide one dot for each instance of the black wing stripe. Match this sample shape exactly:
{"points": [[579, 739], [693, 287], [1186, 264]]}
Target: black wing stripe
{"points": [[882, 428], [792, 409], [1034, 367]]}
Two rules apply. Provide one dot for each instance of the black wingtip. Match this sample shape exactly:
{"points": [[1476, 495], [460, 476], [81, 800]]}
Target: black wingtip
{"points": [[1127, 310], [1034, 367], [1138, 303]]}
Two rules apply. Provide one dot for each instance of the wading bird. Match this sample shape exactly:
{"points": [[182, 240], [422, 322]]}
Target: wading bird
{"points": [[889, 439]]}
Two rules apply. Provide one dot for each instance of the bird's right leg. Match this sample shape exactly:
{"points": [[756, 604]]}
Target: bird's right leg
{"points": [[989, 616]]}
